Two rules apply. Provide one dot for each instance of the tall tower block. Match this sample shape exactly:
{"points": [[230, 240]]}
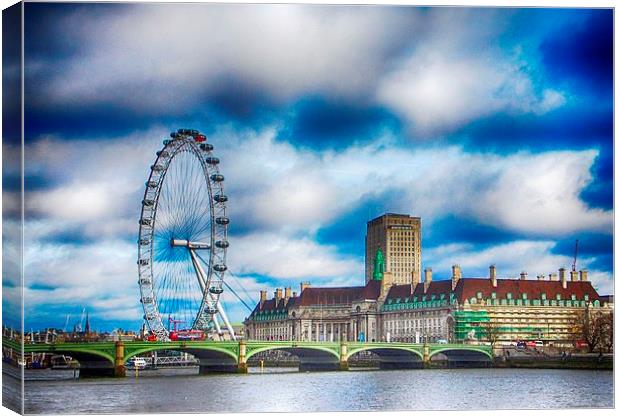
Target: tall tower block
{"points": [[399, 238]]}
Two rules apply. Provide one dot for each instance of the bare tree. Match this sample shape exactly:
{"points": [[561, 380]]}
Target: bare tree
{"points": [[491, 332], [595, 329]]}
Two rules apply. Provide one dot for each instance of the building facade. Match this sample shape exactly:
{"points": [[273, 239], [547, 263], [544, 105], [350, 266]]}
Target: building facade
{"points": [[398, 237], [396, 306]]}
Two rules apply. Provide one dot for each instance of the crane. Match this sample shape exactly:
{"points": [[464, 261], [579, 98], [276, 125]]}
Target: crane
{"points": [[64, 329], [575, 256]]}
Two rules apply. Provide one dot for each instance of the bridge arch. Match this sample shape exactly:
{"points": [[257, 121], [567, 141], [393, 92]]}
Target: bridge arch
{"points": [[383, 349], [391, 356], [211, 358], [311, 357], [191, 349], [448, 350]]}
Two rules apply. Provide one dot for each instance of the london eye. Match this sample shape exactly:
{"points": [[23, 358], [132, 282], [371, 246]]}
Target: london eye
{"points": [[182, 240]]}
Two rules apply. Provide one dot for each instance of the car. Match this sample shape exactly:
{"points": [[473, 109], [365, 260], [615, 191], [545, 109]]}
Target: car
{"points": [[442, 341], [521, 345], [531, 344], [539, 344]]}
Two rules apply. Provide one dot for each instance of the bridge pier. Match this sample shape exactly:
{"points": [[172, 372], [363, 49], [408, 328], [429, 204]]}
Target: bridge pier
{"points": [[119, 359], [344, 362], [426, 356], [242, 366]]}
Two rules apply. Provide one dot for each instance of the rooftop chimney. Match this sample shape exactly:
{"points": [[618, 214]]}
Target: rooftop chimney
{"points": [[428, 278], [553, 276], [583, 275], [563, 277], [263, 298], [456, 275], [540, 277], [415, 279], [523, 275], [573, 276], [287, 293], [294, 294], [302, 286], [493, 275], [277, 294]]}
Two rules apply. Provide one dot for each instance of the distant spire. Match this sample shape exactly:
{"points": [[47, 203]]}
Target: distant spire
{"points": [[379, 268], [87, 329]]}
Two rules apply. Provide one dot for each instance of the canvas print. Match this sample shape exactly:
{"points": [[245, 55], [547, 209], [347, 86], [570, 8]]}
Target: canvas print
{"points": [[217, 207]]}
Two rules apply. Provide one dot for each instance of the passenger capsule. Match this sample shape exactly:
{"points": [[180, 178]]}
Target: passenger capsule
{"points": [[157, 168], [213, 160], [162, 153], [220, 267], [143, 262], [145, 281], [194, 132], [166, 142], [220, 198], [146, 300], [207, 147], [145, 221], [222, 244], [145, 242], [211, 310], [148, 202], [222, 220], [174, 134], [152, 184], [149, 317], [216, 290], [216, 177]]}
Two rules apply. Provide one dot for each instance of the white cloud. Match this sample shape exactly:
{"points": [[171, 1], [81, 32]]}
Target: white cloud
{"points": [[533, 257], [524, 192], [456, 75], [283, 257], [433, 68], [164, 54]]}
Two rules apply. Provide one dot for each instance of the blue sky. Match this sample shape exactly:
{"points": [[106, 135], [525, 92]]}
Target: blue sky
{"points": [[493, 125]]}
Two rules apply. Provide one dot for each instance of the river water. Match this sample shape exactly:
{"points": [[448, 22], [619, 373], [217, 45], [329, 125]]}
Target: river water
{"points": [[281, 390]]}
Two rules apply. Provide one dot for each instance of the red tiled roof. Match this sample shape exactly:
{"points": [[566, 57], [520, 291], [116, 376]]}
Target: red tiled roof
{"points": [[469, 287], [325, 296], [435, 288], [339, 295]]}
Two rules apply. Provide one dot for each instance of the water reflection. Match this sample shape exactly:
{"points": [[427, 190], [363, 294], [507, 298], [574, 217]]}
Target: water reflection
{"points": [[279, 389]]}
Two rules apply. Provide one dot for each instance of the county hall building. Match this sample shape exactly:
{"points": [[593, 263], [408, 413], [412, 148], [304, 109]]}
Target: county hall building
{"points": [[395, 304]]}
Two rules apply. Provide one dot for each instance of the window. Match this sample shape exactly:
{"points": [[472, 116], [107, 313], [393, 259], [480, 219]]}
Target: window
{"points": [[573, 297], [508, 295], [479, 295], [543, 296], [493, 295], [524, 295], [558, 297]]}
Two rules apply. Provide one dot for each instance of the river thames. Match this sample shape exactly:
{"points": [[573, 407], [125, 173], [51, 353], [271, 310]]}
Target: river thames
{"points": [[281, 390]]}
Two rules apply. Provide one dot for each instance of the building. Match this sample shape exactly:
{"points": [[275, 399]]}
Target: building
{"points": [[399, 238], [456, 309]]}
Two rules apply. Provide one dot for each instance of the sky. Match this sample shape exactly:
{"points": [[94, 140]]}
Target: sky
{"points": [[495, 126]]}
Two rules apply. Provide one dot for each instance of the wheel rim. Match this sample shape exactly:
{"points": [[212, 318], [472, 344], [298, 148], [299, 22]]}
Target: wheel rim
{"points": [[184, 200]]}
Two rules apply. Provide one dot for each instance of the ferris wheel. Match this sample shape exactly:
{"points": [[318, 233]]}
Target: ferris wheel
{"points": [[183, 238]]}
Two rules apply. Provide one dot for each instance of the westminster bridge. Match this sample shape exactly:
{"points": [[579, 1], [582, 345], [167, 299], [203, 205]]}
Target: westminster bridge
{"points": [[232, 356]]}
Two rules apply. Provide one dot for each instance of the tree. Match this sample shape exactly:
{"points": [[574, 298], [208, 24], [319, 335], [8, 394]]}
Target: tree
{"points": [[491, 332], [595, 329], [607, 331]]}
